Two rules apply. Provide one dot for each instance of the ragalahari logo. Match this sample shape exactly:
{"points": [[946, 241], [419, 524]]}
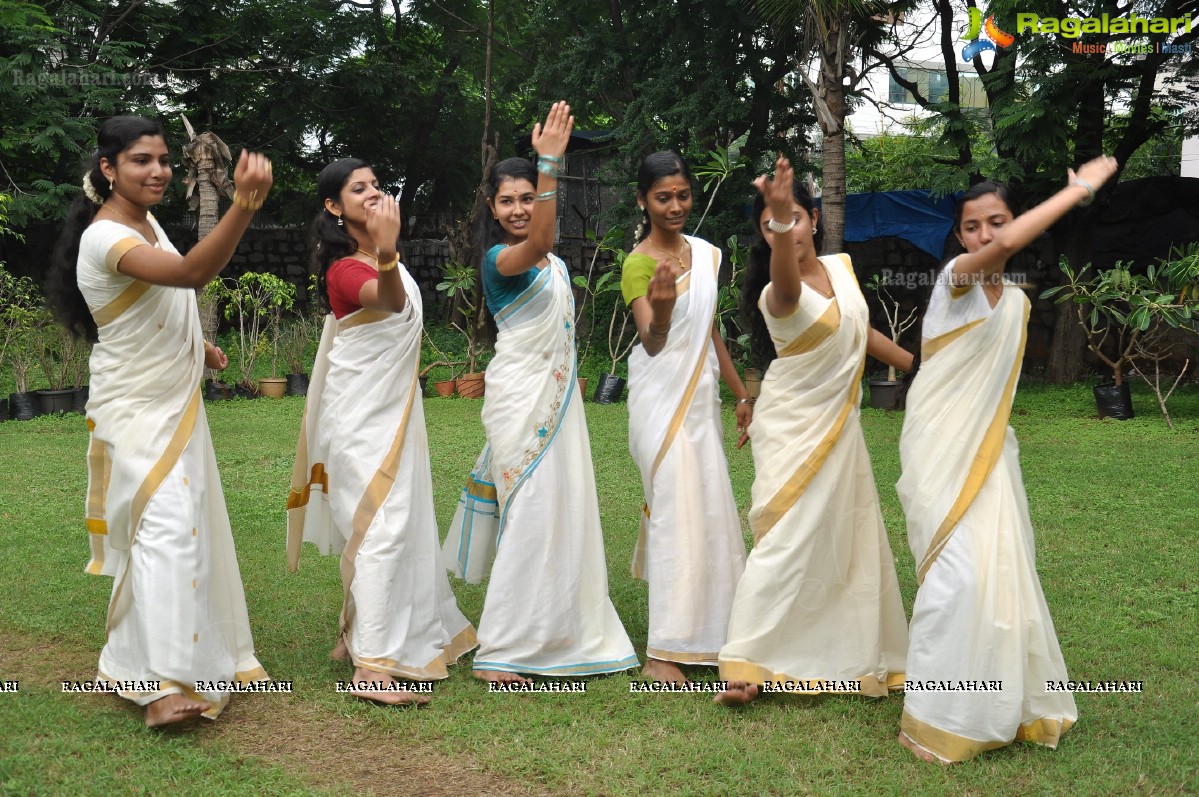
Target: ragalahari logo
{"points": [[993, 37]]}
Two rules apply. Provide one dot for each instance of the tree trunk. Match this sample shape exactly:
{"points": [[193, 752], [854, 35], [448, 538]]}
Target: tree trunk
{"points": [[1066, 364], [209, 204], [832, 124]]}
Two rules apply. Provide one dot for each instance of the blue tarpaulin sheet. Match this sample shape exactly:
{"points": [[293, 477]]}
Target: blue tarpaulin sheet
{"points": [[914, 216]]}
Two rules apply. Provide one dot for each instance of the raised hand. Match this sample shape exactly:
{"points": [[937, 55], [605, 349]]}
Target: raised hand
{"points": [[253, 177], [778, 192], [662, 293], [1095, 172], [552, 137], [383, 224]]}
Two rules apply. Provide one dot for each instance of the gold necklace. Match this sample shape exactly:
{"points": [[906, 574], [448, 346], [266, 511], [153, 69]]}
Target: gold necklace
{"points": [[821, 291], [368, 254], [678, 256], [147, 233]]}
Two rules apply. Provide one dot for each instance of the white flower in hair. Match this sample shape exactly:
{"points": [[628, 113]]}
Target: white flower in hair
{"points": [[89, 190]]}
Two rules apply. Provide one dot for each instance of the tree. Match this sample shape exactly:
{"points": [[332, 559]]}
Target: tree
{"points": [[1050, 107]]}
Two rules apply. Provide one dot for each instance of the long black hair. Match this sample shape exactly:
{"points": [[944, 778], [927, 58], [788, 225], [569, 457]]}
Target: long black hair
{"points": [[329, 240], [652, 169], [757, 276], [490, 230], [115, 136]]}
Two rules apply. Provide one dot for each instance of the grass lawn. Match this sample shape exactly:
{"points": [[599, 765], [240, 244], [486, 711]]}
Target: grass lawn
{"points": [[1116, 512]]}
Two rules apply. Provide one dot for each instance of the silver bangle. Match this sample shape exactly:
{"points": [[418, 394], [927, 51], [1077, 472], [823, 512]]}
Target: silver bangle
{"points": [[745, 401], [776, 226], [1090, 191]]}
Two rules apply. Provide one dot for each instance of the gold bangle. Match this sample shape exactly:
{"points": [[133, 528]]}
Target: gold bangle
{"points": [[389, 265], [251, 204], [658, 333]]}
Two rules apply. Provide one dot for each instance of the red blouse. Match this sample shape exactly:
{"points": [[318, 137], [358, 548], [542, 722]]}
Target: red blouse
{"points": [[344, 280]]}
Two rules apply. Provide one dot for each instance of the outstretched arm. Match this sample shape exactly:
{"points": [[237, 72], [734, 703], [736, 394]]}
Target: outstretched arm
{"points": [[1023, 230]]}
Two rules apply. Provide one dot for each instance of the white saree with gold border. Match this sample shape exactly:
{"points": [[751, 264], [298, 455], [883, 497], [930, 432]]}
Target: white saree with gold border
{"points": [[156, 514], [362, 487], [980, 616], [531, 501], [819, 605], [691, 549]]}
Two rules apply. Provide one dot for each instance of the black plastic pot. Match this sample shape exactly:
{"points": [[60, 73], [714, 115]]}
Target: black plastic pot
{"points": [[1114, 401], [424, 384], [25, 406], [244, 391], [608, 389], [56, 401], [883, 394], [297, 384], [216, 391], [5, 414], [79, 400]]}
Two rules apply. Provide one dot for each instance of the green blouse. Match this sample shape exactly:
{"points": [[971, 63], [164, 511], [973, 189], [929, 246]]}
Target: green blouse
{"points": [[635, 276]]}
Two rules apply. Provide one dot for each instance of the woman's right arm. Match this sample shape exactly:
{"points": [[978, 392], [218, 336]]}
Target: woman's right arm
{"points": [[1025, 228], [652, 312], [208, 257], [549, 140], [785, 284]]}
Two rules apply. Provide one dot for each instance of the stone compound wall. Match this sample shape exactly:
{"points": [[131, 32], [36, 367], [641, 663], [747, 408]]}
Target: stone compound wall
{"points": [[284, 252]]}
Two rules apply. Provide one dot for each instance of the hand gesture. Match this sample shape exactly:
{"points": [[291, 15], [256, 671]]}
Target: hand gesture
{"points": [[662, 293], [1095, 172], [214, 357], [745, 416], [552, 137], [778, 192], [383, 224], [252, 176]]}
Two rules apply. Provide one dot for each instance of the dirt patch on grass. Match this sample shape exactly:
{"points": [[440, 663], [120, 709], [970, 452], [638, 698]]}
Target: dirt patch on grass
{"points": [[314, 744]]}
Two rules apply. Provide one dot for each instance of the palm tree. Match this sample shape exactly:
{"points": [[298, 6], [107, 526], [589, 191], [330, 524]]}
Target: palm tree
{"points": [[207, 159], [834, 33]]}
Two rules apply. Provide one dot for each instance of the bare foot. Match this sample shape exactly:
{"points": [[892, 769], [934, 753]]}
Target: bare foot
{"points": [[497, 677], [379, 687], [171, 709], [664, 672], [340, 651], [738, 694], [921, 752]]}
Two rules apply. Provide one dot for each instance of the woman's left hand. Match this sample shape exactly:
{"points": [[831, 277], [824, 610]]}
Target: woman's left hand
{"points": [[745, 416], [214, 358]]}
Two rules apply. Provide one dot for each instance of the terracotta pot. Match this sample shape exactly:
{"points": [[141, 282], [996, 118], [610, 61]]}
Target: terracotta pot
{"points": [[471, 385], [445, 389], [272, 386], [583, 386], [753, 382]]}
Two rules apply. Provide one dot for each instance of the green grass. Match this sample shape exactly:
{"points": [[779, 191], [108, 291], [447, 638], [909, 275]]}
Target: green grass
{"points": [[1114, 506]]}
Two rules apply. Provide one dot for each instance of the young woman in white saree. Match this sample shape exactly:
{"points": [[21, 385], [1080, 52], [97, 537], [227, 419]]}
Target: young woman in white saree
{"points": [[980, 615], [531, 499], [362, 485], [177, 632], [691, 549], [818, 608]]}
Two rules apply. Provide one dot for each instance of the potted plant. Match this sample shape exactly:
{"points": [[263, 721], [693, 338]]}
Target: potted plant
{"points": [[1126, 316], [58, 352], [258, 300], [883, 392], [444, 387], [20, 316], [460, 285], [294, 338]]}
